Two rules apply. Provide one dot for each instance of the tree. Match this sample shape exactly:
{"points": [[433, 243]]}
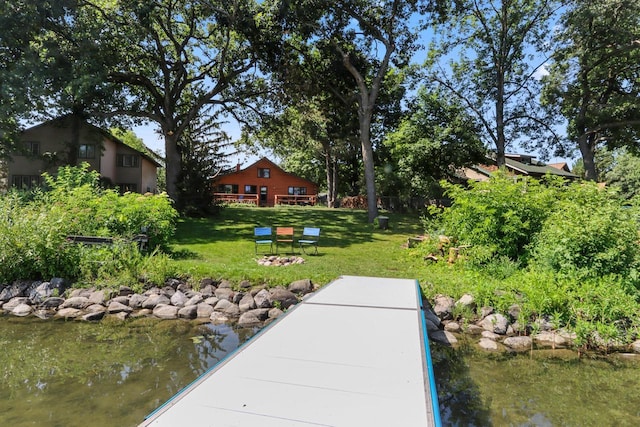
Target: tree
{"points": [[494, 75], [366, 39], [204, 156], [595, 76], [22, 73], [432, 143], [625, 174], [180, 59]]}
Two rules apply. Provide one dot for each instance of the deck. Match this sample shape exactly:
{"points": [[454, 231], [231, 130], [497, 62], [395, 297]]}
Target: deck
{"points": [[353, 354]]}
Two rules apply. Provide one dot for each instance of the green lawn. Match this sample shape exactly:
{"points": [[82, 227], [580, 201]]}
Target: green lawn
{"points": [[222, 247]]}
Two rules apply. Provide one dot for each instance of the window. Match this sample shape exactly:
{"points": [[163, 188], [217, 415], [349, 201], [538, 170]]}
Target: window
{"points": [[124, 188], [25, 182], [250, 189], [87, 151], [264, 172], [128, 160], [32, 147], [228, 188], [297, 191]]}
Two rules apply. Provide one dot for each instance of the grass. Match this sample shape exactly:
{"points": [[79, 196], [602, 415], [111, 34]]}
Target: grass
{"points": [[223, 247]]}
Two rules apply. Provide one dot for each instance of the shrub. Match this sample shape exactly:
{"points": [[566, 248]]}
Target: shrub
{"points": [[589, 232], [34, 227]]}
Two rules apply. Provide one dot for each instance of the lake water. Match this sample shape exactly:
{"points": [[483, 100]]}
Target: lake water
{"points": [[58, 373]]}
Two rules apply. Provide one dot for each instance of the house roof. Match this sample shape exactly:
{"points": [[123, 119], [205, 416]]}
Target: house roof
{"points": [[536, 168], [521, 164], [264, 159]]}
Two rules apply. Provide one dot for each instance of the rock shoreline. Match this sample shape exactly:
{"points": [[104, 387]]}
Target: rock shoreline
{"points": [[215, 301], [494, 331], [256, 306]]}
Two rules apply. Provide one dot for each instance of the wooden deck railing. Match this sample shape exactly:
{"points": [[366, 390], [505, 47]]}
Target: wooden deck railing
{"points": [[252, 199], [288, 199]]}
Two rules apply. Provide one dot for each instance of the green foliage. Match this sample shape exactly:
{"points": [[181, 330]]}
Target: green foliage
{"points": [[568, 253], [497, 217], [589, 232], [593, 80], [625, 174], [34, 228], [429, 145]]}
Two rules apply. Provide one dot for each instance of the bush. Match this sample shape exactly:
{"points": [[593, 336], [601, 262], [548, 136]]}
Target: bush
{"points": [[34, 227], [498, 217], [589, 232], [566, 253]]}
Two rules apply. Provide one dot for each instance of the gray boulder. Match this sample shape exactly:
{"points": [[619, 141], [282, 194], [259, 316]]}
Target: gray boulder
{"points": [[518, 343], [495, 323], [165, 311], [303, 286], [117, 307], [218, 318], [78, 302], [249, 319], [443, 307], [22, 310], [443, 337], [232, 310], [98, 297], [204, 310], [487, 344], [283, 298], [195, 299], [136, 300], [188, 312], [222, 305], [14, 302], [124, 300], [94, 316], [263, 299], [154, 300], [179, 299], [453, 327], [275, 312], [550, 339], [40, 292], [224, 293], [247, 303], [52, 302], [467, 301], [14, 290]]}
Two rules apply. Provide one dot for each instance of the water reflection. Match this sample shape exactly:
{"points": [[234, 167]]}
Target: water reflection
{"points": [[59, 373], [108, 373], [545, 388]]}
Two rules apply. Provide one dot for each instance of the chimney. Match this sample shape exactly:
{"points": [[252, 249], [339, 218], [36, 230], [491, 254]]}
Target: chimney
{"points": [[238, 167]]}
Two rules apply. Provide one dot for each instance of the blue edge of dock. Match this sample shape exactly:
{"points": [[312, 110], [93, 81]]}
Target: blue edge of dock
{"points": [[429, 363]]}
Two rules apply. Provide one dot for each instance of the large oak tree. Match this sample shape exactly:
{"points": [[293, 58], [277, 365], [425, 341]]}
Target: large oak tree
{"points": [[595, 76]]}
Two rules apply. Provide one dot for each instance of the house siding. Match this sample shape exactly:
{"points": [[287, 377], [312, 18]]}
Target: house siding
{"points": [[54, 139], [277, 183]]}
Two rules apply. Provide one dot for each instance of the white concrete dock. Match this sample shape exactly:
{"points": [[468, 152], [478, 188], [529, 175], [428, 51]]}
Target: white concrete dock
{"points": [[353, 354]]}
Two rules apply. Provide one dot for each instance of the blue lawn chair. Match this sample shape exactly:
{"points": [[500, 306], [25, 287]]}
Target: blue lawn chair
{"points": [[310, 236], [262, 236]]}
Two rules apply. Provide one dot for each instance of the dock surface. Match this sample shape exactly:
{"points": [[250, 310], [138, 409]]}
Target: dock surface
{"points": [[354, 353]]}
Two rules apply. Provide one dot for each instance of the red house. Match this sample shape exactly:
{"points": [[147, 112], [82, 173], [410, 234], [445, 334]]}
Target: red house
{"points": [[265, 184]]}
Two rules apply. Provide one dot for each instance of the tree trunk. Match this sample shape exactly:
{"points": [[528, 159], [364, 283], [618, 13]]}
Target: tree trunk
{"points": [[500, 138], [330, 168], [587, 150], [369, 169], [172, 165]]}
